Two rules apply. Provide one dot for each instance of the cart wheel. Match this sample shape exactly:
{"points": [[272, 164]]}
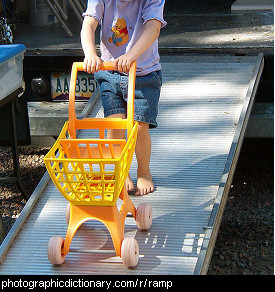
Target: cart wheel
{"points": [[144, 216], [68, 210], [55, 250], [129, 252]]}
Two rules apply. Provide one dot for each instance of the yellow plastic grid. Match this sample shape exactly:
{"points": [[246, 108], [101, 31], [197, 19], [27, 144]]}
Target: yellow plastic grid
{"points": [[90, 171]]}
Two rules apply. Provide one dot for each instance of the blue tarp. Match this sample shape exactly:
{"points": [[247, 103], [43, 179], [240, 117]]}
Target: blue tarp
{"points": [[9, 51]]}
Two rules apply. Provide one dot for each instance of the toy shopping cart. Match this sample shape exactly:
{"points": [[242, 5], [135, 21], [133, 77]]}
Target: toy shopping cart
{"points": [[91, 174]]}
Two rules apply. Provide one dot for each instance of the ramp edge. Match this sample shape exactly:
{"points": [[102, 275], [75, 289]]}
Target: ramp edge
{"points": [[228, 174], [7, 242]]}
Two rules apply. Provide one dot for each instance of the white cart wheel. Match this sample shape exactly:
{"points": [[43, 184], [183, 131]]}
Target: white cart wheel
{"points": [[144, 216], [129, 252], [68, 212], [54, 250]]}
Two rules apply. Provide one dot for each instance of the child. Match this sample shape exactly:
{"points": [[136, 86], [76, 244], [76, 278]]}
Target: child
{"points": [[129, 32]]}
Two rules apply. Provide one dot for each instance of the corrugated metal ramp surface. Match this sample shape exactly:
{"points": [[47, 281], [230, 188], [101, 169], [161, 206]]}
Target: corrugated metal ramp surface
{"points": [[201, 114]]}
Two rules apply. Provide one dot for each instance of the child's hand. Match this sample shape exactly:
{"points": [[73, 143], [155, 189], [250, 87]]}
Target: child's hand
{"points": [[123, 63], [92, 64]]}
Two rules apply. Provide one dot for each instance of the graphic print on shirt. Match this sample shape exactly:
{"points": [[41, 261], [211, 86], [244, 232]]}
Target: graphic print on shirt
{"points": [[120, 33]]}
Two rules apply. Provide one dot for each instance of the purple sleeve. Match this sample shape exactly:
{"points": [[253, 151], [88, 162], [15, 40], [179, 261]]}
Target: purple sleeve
{"points": [[153, 9], [95, 8]]}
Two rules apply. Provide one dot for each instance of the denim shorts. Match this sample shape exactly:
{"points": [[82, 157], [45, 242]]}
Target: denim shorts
{"points": [[113, 93]]}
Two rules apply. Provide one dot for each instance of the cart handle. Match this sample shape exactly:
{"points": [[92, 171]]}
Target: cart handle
{"points": [[75, 123]]}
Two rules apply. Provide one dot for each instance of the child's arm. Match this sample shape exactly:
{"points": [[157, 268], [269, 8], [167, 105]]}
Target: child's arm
{"points": [[91, 61], [150, 34]]}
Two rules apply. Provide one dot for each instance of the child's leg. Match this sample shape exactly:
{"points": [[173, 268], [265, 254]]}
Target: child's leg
{"points": [[143, 153], [120, 134]]}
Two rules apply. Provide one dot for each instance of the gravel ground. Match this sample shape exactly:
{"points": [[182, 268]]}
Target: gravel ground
{"points": [[32, 169], [245, 243]]}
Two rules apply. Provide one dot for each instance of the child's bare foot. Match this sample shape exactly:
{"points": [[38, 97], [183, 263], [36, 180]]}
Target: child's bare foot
{"points": [[145, 185], [129, 184]]}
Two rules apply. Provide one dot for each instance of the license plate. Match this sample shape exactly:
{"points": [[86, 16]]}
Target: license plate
{"points": [[60, 86]]}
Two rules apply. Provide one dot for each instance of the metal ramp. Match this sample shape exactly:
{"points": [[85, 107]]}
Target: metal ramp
{"points": [[204, 108]]}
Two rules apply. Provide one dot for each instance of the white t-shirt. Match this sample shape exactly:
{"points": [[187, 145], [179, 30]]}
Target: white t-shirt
{"points": [[122, 23]]}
